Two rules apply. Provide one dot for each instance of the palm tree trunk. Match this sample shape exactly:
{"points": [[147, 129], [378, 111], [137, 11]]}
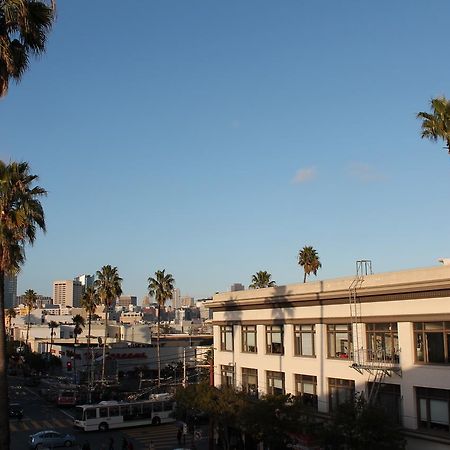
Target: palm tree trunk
{"points": [[28, 327], [4, 403], [90, 356], [104, 343], [304, 278], [157, 346]]}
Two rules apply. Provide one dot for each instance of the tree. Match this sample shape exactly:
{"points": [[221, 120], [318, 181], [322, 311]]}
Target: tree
{"points": [[437, 124], [308, 258], [24, 26], [52, 325], [78, 320], [160, 287], [262, 279], [109, 287], [10, 314], [21, 215], [89, 302], [30, 299]]}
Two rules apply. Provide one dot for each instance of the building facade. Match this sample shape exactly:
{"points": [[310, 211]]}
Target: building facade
{"points": [[10, 291], [385, 335], [67, 293]]}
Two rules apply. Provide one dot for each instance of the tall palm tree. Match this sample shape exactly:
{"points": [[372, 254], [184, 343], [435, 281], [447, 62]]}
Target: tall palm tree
{"points": [[21, 215], [160, 287], [109, 287], [52, 325], [24, 25], [10, 314], [437, 124], [30, 299], [262, 279], [78, 320], [308, 258], [89, 302]]}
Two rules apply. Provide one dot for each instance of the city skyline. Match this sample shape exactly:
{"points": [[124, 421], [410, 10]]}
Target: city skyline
{"points": [[228, 136]]}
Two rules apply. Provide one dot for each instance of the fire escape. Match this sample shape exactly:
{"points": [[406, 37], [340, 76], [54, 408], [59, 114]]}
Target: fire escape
{"points": [[378, 362]]}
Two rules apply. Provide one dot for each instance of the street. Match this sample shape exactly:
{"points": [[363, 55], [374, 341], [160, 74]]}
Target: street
{"points": [[39, 415]]}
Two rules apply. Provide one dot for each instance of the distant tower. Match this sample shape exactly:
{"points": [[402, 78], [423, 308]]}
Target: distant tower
{"points": [[86, 281], [237, 287], [10, 291], [67, 293], [176, 299]]}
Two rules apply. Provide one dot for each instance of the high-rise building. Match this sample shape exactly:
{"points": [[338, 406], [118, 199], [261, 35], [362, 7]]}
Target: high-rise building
{"points": [[86, 281], [67, 293], [186, 301], [176, 298], [10, 291]]}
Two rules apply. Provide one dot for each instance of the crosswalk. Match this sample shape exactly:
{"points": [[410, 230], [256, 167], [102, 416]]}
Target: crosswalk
{"points": [[164, 437], [30, 425]]}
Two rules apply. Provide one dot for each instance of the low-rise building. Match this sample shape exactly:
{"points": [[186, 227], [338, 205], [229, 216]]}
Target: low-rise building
{"points": [[385, 335]]}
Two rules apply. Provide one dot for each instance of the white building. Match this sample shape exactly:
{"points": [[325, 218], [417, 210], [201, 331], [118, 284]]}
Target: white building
{"points": [[327, 340]]}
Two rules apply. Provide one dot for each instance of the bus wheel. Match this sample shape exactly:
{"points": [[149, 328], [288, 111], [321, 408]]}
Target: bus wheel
{"points": [[156, 421], [103, 426]]}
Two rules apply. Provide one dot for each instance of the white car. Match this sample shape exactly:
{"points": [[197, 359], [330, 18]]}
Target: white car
{"points": [[50, 439]]}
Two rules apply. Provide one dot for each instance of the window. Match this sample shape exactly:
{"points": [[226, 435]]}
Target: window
{"points": [[275, 383], [306, 388], [250, 380], [249, 338], [227, 375], [91, 413], [432, 341], [103, 412], [340, 391], [339, 341], [388, 398], [433, 408], [382, 342], [274, 339], [304, 340], [226, 338]]}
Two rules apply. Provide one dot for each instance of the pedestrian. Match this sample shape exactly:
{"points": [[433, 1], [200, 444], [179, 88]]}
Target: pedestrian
{"points": [[124, 444], [111, 443], [179, 435]]}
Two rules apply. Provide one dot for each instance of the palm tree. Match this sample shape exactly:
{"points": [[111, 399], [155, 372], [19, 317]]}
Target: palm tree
{"points": [[78, 320], [308, 258], [30, 299], [437, 124], [52, 325], [24, 25], [21, 215], [160, 287], [10, 314], [89, 302], [262, 279], [108, 285]]}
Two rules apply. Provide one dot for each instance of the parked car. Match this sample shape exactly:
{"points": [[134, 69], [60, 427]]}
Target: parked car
{"points": [[15, 410], [51, 439]]}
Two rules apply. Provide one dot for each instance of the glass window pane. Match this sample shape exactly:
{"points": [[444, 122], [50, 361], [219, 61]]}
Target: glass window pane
{"points": [[308, 388], [435, 346], [307, 344], [439, 412]]}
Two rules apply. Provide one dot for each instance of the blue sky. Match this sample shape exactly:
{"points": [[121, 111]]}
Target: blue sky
{"points": [[215, 139]]}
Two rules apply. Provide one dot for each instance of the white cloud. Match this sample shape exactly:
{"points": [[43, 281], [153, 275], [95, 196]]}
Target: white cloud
{"points": [[305, 175], [364, 172]]}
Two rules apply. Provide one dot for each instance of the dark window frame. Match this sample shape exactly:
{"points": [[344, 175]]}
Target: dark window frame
{"points": [[333, 330], [225, 378], [340, 391], [424, 396], [249, 388], [274, 348], [382, 342], [432, 342], [247, 330], [226, 336], [275, 376], [299, 331], [308, 399]]}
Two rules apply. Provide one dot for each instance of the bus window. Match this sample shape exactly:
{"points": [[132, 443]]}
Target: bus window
{"points": [[113, 411], [147, 410], [136, 410], [157, 407], [125, 412], [91, 413], [168, 406], [103, 412]]}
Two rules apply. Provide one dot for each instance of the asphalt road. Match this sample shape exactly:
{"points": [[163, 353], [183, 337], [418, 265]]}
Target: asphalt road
{"points": [[39, 415]]}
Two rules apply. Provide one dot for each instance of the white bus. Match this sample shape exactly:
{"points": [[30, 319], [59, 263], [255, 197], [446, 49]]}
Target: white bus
{"points": [[106, 415]]}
